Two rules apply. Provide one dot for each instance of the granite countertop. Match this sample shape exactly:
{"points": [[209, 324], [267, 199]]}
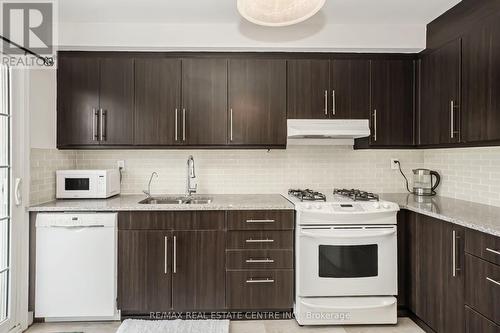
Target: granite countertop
{"points": [[465, 213], [131, 203]]}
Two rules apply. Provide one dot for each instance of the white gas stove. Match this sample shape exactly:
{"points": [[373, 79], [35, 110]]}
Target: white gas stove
{"points": [[346, 258]]}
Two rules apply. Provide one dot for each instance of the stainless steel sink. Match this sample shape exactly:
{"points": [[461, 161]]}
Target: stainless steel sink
{"points": [[176, 201]]}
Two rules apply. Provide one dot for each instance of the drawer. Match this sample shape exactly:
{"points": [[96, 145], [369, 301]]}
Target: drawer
{"points": [[259, 290], [482, 289], [259, 259], [159, 220], [475, 323], [259, 240], [483, 245], [261, 220]]}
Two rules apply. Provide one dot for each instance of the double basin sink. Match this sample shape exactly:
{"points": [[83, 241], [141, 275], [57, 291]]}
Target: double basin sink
{"points": [[172, 200]]}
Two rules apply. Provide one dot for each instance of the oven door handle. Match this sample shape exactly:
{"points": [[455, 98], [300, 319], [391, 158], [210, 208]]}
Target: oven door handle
{"points": [[355, 234], [351, 307]]}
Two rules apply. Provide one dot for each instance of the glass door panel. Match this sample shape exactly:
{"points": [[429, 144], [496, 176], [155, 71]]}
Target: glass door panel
{"points": [[5, 190]]}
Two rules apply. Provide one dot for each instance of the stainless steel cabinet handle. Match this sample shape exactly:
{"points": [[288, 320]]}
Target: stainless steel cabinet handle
{"points": [[260, 280], [452, 115], [493, 281], [183, 124], [493, 251], [259, 241], [176, 124], [333, 102], [95, 114], [253, 261], [104, 120], [166, 255], [260, 221], [454, 253], [231, 125], [375, 125], [326, 102], [175, 254]]}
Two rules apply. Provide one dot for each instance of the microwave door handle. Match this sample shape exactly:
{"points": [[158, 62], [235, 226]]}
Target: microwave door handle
{"points": [[355, 234]]}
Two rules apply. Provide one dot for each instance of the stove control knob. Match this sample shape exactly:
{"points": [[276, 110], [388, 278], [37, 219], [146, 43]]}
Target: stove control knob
{"points": [[376, 205], [308, 206], [386, 205], [318, 206]]}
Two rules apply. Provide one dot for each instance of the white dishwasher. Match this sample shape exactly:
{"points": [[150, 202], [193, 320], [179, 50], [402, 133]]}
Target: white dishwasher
{"points": [[76, 266]]}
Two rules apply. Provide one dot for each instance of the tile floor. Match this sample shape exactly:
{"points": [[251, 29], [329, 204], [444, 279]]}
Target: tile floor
{"points": [[405, 325]]}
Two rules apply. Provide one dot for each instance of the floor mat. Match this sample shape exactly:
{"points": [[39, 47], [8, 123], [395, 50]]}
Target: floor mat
{"points": [[174, 326]]}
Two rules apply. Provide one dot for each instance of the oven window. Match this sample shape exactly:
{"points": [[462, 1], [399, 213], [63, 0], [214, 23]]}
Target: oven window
{"points": [[348, 261], [76, 184]]}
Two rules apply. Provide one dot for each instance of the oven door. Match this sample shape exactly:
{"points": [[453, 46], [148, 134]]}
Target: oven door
{"points": [[347, 261]]}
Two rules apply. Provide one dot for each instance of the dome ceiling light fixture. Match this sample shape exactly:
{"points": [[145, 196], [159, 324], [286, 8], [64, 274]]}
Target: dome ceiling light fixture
{"points": [[278, 13]]}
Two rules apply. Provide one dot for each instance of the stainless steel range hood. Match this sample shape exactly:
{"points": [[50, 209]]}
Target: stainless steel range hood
{"points": [[326, 132]]}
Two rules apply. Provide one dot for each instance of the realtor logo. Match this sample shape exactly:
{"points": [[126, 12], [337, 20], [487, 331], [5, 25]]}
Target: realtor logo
{"points": [[28, 32]]}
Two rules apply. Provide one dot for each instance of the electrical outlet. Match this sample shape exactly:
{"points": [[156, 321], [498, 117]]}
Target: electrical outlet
{"points": [[394, 164], [120, 164]]}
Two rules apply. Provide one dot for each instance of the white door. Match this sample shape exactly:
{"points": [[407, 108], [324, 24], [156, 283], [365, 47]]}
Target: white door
{"points": [[13, 224]]}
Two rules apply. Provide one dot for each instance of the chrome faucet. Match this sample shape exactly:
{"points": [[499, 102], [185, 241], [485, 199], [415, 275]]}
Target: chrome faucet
{"points": [[191, 185], [148, 191]]}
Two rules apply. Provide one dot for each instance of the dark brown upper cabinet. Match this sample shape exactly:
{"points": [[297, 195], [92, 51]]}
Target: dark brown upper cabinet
{"points": [[203, 118], [350, 89], [439, 118], [308, 89], [481, 83], [257, 102], [157, 101], [77, 101], [328, 89], [95, 101], [392, 114]]}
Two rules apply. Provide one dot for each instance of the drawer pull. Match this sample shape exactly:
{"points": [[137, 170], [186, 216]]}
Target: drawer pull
{"points": [[260, 221], [267, 260], [493, 251], [259, 241], [491, 280], [260, 281]]}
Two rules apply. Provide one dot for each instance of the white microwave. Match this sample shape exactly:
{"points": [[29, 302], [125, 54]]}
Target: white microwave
{"points": [[87, 184]]}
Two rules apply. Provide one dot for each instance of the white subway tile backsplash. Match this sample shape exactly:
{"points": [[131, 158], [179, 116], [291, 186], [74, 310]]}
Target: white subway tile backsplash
{"points": [[470, 173]]}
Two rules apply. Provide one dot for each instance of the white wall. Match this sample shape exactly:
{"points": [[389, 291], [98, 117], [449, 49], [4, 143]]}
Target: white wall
{"points": [[42, 108], [316, 35]]}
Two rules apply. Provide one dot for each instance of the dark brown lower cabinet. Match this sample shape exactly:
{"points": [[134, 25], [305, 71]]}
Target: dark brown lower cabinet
{"points": [[144, 275], [260, 290], [198, 279], [436, 285], [176, 264], [476, 323]]}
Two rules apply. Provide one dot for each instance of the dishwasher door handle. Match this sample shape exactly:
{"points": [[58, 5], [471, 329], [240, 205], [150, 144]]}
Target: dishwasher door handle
{"points": [[78, 226]]}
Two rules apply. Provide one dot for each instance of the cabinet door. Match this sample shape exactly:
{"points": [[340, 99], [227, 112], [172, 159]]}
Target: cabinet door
{"points": [[453, 310], [144, 273], [198, 280], [116, 101], [308, 89], [392, 103], [203, 120], [77, 101], [481, 83], [349, 89], [257, 102], [427, 271], [440, 95], [157, 101]]}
